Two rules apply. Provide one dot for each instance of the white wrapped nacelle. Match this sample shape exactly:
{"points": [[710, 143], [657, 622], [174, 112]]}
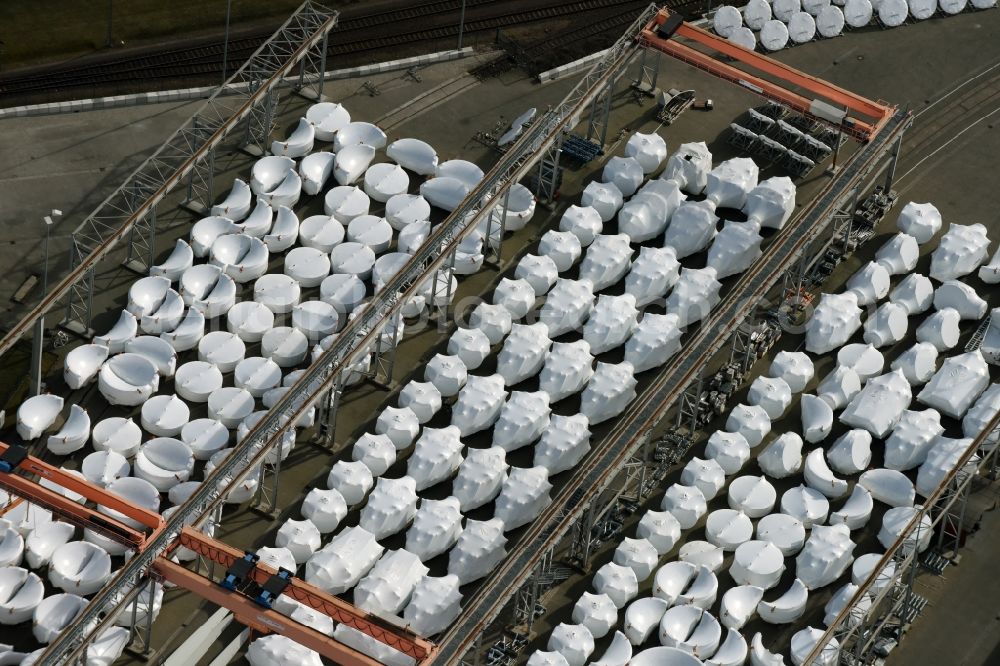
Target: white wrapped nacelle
{"points": [[957, 384], [653, 273], [771, 203], [692, 227], [694, 296], [480, 477], [689, 167], [563, 444], [735, 248], [338, 566], [960, 252], [524, 495], [479, 404], [730, 182], [879, 405], [654, 341], [388, 586], [834, 321], [827, 554], [479, 550], [610, 390]]}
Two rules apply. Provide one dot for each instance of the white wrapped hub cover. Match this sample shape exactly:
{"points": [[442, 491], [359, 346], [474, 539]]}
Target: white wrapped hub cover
{"points": [[757, 563], [652, 274], [918, 363], [782, 457], [705, 475], [981, 413], [586, 222], [941, 329], [772, 202], [352, 480], [625, 173], [471, 345], [751, 421], [915, 293], [523, 353], [960, 252], [795, 368], [300, 537], [611, 322], [324, 508], [731, 182], [686, 504], [654, 341], [827, 554], [524, 495], [957, 384], [388, 586], [870, 284], [522, 419], [479, 404], [567, 369], [596, 612], [834, 321], [638, 555], [694, 295], [493, 320], [434, 605], [806, 505], [479, 549], [435, 528], [447, 373], [888, 486], [563, 444], [572, 641], [752, 495], [423, 398], [962, 298], [563, 247], [895, 521], [538, 271], [774, 395], [942, 457], [913, 436], [567, 306], [899, 254], [278, 650], [610, 390], [480, 477], [618, 582], [689, 167], [692, 227], [648, 149], [659, 528], [391, 506], [735, 248], [730, 449], [436, 456], [376, 452], [518, 296], [921, 221], [607, 261], [879, 405], [399, 424]]}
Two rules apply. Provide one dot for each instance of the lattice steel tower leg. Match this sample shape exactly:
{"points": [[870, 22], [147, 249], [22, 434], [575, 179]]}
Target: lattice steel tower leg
{"points": [[600, 115], [649, 71]]}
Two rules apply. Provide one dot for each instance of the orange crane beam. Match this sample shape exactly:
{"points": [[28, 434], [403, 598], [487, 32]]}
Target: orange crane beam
{"points": [[877, 113], [396, 637], [78, 514]]}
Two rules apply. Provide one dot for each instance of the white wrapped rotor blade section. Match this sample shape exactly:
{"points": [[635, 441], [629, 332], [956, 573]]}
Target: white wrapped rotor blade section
{"points": [[414, 155]]}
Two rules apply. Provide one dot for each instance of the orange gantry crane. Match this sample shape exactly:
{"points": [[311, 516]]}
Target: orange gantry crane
{"points": [[248, 588], [829, 103]]}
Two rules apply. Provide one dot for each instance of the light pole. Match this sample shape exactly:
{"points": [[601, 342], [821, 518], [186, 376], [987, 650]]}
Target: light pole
{"points": [[110, 40], [461, 24], [225, 46], [39, 338]]}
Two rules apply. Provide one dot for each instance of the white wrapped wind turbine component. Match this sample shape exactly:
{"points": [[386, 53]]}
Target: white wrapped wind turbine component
{"points": [[358, 133], [751, 421], [638, 555], [479, 404], [664, 196], [436, 456], [625, 173], [744, 37], [191, 328], [864, 359], [795, 368], [123, 330], [117, 434], [705, 475], [782, 457], [895, 521], [981, 413], [784, 10], [960, 252], [648, 149], [562, 247], [520, 208], [730, 449], [376, 452], [686, 503], [343, 292], [83, 363], [316, 319], [463, 170], [387, 588], [957, 384], [735, 248], [806, 505], [611, 322], [922, 221], [325, 509], [567, 369], [827, 554], [21, 592], [756, 13], [752, 495], [907, 446], [990, 346], [941, 329], [730, 182], [391, 506], [371, 231], [597, 612], [702, 553], [990, 272], [870, 283], [493, 320], [728, 529], [299, 142], [258, 223], [689, 167], [819, 476], [830, 21], [886, 326], [162, 415], [243, 258], [757, 563], [599, 203], [345, 203], [480, 548], [643, 617], [690, 629], [892, 13], [654, 341], [879, 405], [774, 35], [147, 294], [856, 510], [179, 260], [434, 605], [518, 296], [573, 641], [447, 373], [352, 480], [164, 462], [384, 181], [339, 565], [834, 321], [53, 614], [480, 477], [196, 381], [567, 306], [222, 349], [610, 390], [641, 219], [727, 19], [422, 398], [953, 7], [327, 118], [899, 254], [786, 532], [206, 230], [538, 271], [79, 567], [444, 192], [692, 227], [918, 363], [960, 297], [277, 292], [851, 453], [659, 528], [315, 170], [469, 255], [399, 424], [546, 658], [435, 528], [803, 643], [922, 9], [784, 610], [942, 457], [320, 232], [672, 579], [889, 486], [524, 495], [653, 273], [415, 155], [277, 650], [237, 203], [694, 295], [739, 604], [249, 320], [402, 210], [801, 27], [126, 379], [774, 395], [563, 443], [607, 260], [618, 653], [37, 414], [523, 352]]}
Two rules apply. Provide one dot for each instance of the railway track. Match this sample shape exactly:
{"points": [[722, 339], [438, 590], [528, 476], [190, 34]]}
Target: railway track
{"points": [[353, 35]]}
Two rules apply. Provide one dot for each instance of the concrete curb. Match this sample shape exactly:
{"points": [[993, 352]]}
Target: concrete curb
{"points": [[204, 92], [570, 67]]}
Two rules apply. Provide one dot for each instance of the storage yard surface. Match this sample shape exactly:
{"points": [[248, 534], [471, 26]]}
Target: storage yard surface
{"points": [[72, 162]]}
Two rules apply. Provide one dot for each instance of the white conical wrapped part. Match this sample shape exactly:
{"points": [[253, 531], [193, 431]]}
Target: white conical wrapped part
{"points": [[730, 449], [941, 329], [689, 167], [479, 550], [659, 528], [879, 405], [606, 261], [523, 353], [858, 14], [889, 486], [567, 306], [899, 254], [434, 605], [819, 476], [918, 363], [524, 495], [886, 326], [782, 457], [735, 248], [895, 521], [479, 404], [753, 495], [611, 322], [604, 199], [563, 444], [756, 14], [596, 612], [794, 368], [981, 413], [771, 203], [653, 273], [435, 528], [705, 475], [546, 658], [692, 227], [915, 294], [827, 554], [654, 341], [913, 436], [523, 419], [648, 149], [757, 563], [391, 506], [567, 369], [388, 586], [728, 529], [563, 247], [960, 252], [686, 504], [808, 505], [625, 173], [609, 391], [518, 296], [833, 322], [962, 298], [702, 554], [572, 641], [480, 477], [774, 395], [436, 456], [694, 296], [871, 283], [751, 421], [957, 384], [851, 453]]}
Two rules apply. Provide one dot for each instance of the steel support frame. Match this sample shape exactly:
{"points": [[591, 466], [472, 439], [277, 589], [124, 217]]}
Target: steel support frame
{"points": [[549, 175], [326, 414], [649, 72], [141, 639], [600, 114], [496, 226], [170, 165]]}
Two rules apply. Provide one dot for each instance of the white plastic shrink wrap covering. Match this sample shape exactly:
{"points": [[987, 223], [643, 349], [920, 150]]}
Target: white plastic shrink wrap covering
{"points": [[896, 520], [38, 413], [653, 273], [610, 390], [391, 506], [345, 203], [941, 329], [981, 413], [913, 436], [834, 321], [889, 486], [524, 495], [638, 555], [752, 495], [586, 222], [518, 296], [886, 326], [277, 650], [83, 363], [436, 456], [328, 118], [784, 610], [728, 529], [523, 419], [546, 658], [960, 252], [237, 203], [654, 341], [960, 297], [659, 528], [315, 170], [957, 384], [774, 395], [726, 20], [771, 203], [782, 457], [989, 273], [300, 537], [493, 320], [523, 353], [479, 404], [756, 14], [611, 322], [479, 549], [757, 563], [879, 405], [340, 564], [572, 641], [434, 605], [324, 508], [795, 368], [787, 533], [856, 510], [563, 444], [730, 182], [567, 368], [730, 449], [827, 554], [899, 254], [735, 248], [802, 645], [596, 612], [399, 424], [751, 421], [686, 504], [851, 453], [435, 528], [705, 475], [694, 295], [921, 221], [563, 247], [471, 345], [538, 271], [918, 363], [689, 167], [806, 505], [371, 646], [618, 582], [606, 261], [942, 457], [444, 192], [480, 477], [870, 284], [388, 586], [352, 480], [567, 306], [819, 476], [415, 155], [692, 227], [625, 173], [648, 149]]}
